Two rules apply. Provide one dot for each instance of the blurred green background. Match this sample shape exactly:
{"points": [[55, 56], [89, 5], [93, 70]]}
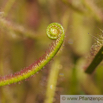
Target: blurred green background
{"points": [[23, 40]]}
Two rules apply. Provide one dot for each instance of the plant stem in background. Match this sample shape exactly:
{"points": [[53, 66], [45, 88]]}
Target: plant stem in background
{"points": [[52, 81], [96, 61], [7, 25], [70, 5], [93, 9], [8, 7]]}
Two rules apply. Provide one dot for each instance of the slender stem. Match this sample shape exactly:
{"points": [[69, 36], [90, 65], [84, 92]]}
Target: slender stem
{"points": [[17, 28], [52, 81], [93, 9], [8, 7], [73, 7], [96, 61]]}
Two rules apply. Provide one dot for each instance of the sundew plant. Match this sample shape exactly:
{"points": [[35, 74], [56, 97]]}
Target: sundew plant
{"points": [[50, 48], [54, 31]]}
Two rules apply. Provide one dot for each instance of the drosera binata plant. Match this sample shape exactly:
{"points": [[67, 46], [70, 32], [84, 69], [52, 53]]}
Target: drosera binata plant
{"points": [[96, 53], [54, 31]]}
